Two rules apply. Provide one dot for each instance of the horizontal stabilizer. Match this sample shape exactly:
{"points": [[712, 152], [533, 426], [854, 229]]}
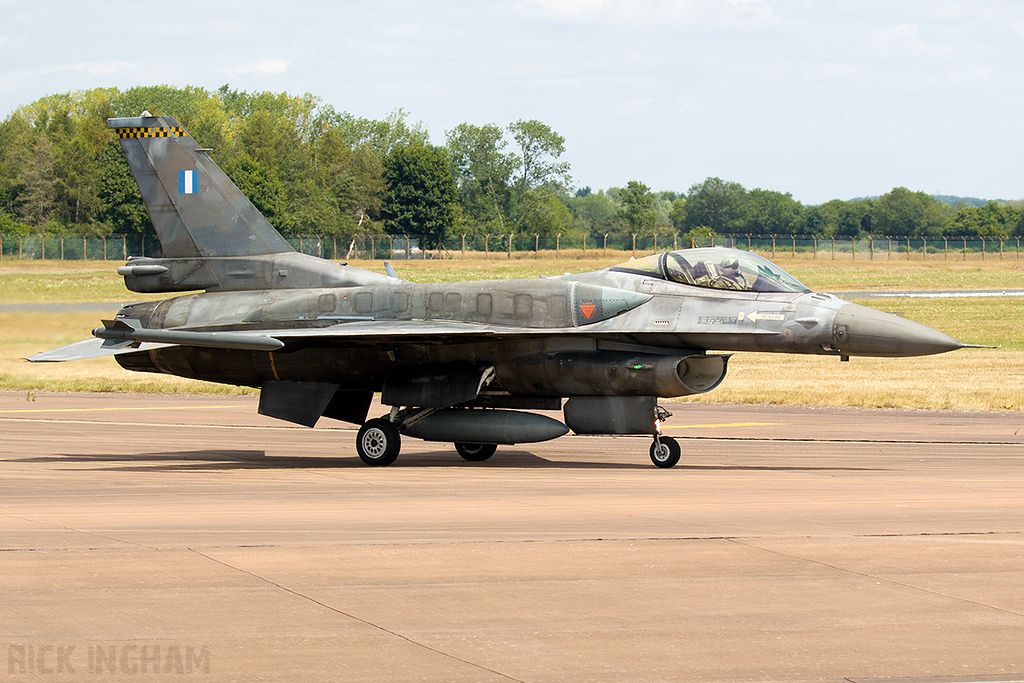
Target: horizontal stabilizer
{"points": [[91, 348]]}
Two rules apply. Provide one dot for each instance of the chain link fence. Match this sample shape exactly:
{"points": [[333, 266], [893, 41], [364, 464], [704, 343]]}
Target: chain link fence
{"points": [[379, 247]]}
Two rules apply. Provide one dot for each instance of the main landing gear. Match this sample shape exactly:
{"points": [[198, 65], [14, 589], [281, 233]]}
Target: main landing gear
{"points": [[475, 452], [379, 442]]}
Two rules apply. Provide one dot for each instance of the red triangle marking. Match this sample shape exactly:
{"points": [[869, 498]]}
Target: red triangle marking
{"points": [[588, 310]]}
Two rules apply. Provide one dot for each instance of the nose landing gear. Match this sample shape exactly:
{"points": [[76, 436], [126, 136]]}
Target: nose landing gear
{"points": [[665, 450]]}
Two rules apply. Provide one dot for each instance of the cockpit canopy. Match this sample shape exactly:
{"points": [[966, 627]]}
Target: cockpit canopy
{"points": [[716, 268]]}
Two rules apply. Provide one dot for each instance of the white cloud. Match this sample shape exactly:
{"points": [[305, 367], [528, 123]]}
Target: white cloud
{"points": [[906, 38], [645, 12], [94, 68], [260, 66]]}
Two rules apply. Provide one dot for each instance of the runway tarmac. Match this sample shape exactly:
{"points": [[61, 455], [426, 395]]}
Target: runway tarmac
{"points": [[187, 537]]}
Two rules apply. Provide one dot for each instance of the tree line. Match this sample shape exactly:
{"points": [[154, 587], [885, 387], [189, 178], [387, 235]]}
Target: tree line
{"points": [[314, 170]]}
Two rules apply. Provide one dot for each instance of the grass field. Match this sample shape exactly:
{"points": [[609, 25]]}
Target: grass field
{"points": [[970, 379]]}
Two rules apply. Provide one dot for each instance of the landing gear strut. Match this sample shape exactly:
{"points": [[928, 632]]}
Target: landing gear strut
{"points": [[665, 450]]}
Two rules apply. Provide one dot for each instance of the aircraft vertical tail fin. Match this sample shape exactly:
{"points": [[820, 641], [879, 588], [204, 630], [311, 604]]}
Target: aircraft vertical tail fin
{"points": [[196, 209]]}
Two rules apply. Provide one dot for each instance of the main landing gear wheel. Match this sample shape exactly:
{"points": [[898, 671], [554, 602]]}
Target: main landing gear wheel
{"points": [[475, 452], [378, 442], [665, 451]]}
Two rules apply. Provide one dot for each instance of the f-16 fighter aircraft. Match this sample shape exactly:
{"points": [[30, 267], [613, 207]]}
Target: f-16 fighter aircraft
{"points": [[461, 362]]}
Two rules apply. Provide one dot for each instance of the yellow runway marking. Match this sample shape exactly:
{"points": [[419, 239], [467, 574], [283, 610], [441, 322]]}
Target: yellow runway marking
{"points": [[111, 410], [726, 424]]}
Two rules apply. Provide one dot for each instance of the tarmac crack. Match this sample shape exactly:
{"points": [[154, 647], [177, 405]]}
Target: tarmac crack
{"points": [[349, 615], [77, 531], [874, 577]]}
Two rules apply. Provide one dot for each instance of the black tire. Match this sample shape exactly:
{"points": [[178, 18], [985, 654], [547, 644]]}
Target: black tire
{"points": [[475, 452], [665, 452], [378, 442]]}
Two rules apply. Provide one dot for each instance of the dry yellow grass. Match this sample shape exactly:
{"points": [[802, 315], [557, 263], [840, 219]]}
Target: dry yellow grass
{"points": [[969, 379]]}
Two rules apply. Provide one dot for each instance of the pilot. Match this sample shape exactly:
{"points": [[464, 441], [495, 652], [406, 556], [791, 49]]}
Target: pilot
{"points": [[725, 276], [731, 271]]}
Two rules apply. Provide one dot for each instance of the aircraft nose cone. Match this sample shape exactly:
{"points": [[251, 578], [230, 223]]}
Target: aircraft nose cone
{"points": [[862, 331]]}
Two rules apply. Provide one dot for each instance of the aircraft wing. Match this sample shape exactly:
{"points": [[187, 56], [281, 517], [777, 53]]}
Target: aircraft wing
{"points": [[128, 336]]}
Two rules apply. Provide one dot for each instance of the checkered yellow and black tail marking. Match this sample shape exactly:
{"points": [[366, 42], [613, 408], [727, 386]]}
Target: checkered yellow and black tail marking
{"points": [[172, 132]]}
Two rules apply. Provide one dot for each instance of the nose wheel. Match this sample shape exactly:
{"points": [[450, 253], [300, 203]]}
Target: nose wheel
{"points": [[665, 451]]}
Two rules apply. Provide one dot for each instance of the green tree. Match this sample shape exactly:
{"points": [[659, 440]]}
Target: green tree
{"points": [[483, 170], [593, 213], [259, 183], [537, 175], [772, 213], [637, 211], [677, 214], [123, 211], [991, 220], [501, 191], [715, 204], [902, 212], [421, 196]]}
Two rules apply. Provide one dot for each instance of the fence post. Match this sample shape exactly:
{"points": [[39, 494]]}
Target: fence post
{"points": [[815, 247], [584, 245], [605, 252], [536, 245], [908, 247], [794, 245], [510, 246], [773, 247], [924, 248], [675, 241], [889, 257], [965, 247], [42, 247], [463, 246], [833, 247], [62, 247], [558, 245], [124, 248], [1000, 248], [853, 248], [871, 248], [634, 244], [983, 248], [655, 243], [945, 248], [85, 254], [19, 247]]}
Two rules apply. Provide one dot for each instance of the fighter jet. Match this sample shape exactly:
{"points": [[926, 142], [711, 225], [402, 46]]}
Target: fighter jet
{"points": [[463, 362]]}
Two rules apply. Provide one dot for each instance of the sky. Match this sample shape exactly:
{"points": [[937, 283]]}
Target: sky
{"points": [[822, 99]]}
